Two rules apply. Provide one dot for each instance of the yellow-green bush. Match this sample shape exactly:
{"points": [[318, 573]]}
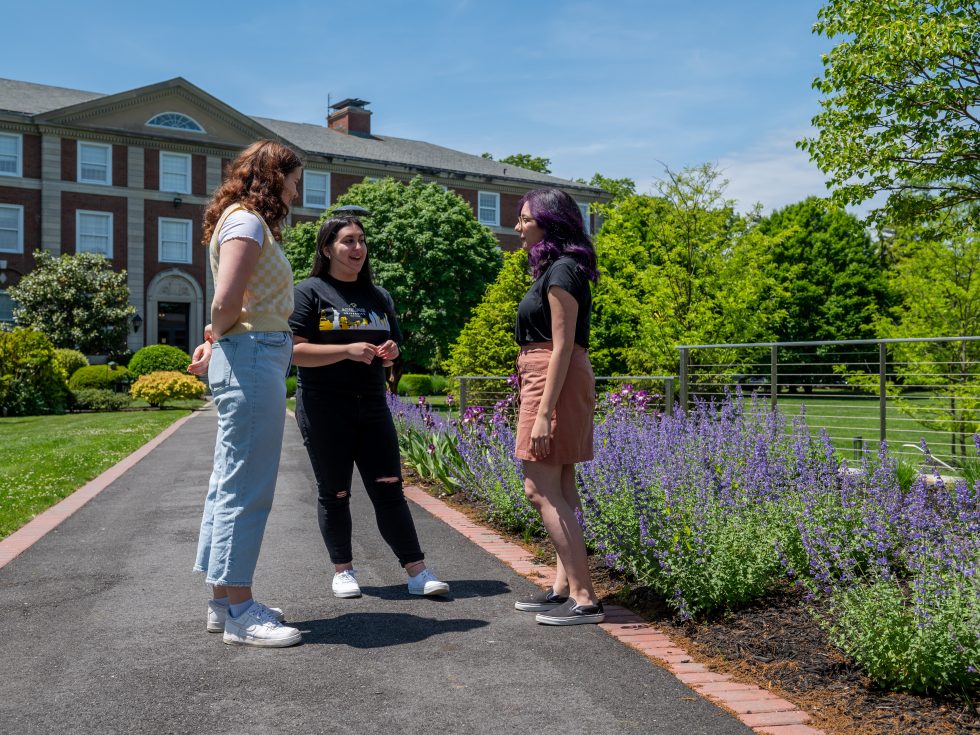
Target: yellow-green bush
{"points": [[166, 385]]}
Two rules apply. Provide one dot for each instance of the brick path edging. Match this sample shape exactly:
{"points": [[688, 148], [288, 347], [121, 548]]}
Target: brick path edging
{"points": [[31, 532], [759, 709]]}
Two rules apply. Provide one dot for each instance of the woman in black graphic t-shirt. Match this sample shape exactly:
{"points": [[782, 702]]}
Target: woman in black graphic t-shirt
{"points": [[557, 392], [344, 330]]}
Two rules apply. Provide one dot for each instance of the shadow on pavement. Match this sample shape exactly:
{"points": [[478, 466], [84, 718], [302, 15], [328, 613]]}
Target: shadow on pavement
{"points": [[378, 630], [459, 589]]}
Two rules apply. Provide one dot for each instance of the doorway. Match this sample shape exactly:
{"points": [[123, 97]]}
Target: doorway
{"points": [[173, 322]]}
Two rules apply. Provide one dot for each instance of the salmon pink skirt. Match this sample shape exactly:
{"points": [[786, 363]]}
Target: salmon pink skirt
{"points": [[572, 420]]}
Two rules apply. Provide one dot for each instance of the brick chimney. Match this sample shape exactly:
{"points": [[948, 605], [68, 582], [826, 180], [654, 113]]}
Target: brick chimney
{"points": [[350, 116]]}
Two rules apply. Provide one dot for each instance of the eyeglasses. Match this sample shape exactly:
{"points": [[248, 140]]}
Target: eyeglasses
{"points": [[525, 221]]}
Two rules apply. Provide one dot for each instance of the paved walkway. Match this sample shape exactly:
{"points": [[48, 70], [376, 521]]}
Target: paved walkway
{"points": [[103, 629]]}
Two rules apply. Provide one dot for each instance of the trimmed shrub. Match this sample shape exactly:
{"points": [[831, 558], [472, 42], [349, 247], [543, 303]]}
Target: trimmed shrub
{"points": [[32, 381], [100, 377], [440, 385], [415, 385], [158, 358], [166, 385], [70, 360], [290, 386], [97, 399]]}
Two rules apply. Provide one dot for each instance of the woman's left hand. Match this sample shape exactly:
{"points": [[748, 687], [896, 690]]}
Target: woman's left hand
{"points": [[541, 437], [388, 351], [200, 360]]}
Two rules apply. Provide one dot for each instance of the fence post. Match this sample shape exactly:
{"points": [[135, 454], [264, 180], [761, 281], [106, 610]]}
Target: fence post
{"points": [[882, 394], [774, 374], [669, 396], [463, 390], [683, 377]]}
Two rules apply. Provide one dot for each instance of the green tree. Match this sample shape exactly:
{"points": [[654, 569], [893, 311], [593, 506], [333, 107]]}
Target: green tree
{"points": [[834, 285], [525, 160], [619, 188], [427, 249], [78, 301], [486, 346], [937, 277], [682, 267], [900, 108], [831, 285]]}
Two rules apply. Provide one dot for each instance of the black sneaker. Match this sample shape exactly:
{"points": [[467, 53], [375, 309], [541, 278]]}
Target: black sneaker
{"points": [[540, 602], [571, 613]]}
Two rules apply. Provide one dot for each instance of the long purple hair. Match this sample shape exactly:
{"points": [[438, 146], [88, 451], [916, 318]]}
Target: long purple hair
{"points": [[558, 215]]}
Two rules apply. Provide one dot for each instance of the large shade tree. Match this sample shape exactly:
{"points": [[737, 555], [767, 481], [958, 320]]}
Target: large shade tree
{"points": [[831, 285], [901, 104], [427, 249], [78, 301]]}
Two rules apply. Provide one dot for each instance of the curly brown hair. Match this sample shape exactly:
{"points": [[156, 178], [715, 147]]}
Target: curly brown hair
{"points": [[255, 180]]}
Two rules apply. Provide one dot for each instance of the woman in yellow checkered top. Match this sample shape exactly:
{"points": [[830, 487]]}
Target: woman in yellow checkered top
{"points": [[246, 357]]}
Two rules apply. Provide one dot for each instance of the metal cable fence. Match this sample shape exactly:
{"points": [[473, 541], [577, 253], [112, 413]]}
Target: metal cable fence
{"points": [[903, 391], [489, 391]]}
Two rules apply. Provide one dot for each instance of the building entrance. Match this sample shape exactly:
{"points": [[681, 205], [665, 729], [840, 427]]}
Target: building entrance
{"points": [[173, 322]]}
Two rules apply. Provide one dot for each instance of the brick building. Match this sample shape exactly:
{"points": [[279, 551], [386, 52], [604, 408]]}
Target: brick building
{"points": [[128, 174]]}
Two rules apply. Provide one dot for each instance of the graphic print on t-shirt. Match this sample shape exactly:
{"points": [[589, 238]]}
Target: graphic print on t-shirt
{"points": [[352, 317]]}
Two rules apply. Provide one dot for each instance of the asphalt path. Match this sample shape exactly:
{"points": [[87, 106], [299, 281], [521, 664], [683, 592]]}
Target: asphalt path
{"points": [[103, 630]]}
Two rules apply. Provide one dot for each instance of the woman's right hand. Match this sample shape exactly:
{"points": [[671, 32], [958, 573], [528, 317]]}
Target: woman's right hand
{"points": [[361, 352]]}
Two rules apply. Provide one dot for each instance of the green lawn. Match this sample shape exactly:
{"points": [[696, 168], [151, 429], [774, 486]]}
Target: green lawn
{"points": [[46, 458], [847, 418]]}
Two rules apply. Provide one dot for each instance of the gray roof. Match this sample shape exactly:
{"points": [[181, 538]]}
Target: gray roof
{"points": [[416, 153], [30, 99], [34, 99]]}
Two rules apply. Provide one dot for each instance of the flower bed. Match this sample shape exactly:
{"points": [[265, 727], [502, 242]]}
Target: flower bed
{"points": [[715, 507]]}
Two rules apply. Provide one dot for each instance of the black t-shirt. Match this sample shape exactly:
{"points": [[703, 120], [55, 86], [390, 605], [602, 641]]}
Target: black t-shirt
{"points": [[328, 311], [534, 311]]}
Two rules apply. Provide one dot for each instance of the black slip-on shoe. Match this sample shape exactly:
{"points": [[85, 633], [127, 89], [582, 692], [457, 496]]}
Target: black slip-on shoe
{"points": [[540, 602], [571, 613]]}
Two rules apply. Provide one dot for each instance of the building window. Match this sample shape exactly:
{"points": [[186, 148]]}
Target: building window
{"points": [[94, 163], [316, 189], [175, 172], [11, 228], [6, 308], [93, 232], [586, 220], [175, 121], [11, 147], [488, 208], [175, 240]]}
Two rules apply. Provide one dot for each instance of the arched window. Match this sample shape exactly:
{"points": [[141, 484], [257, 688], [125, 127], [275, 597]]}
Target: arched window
{"points": [[175, 120]]}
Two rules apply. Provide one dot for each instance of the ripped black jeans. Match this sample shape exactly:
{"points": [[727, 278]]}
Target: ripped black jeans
{"points": [[343, 429]]}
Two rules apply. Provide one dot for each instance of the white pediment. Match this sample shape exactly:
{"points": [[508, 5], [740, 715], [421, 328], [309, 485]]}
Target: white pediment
{"points": [[129, 112]]}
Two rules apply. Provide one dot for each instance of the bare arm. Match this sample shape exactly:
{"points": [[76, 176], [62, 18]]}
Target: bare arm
{"points": [[307, 354], [564, 313], [235, 267]]}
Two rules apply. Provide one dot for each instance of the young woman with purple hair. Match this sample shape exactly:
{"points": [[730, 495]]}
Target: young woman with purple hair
{"points": [[557, 393]]}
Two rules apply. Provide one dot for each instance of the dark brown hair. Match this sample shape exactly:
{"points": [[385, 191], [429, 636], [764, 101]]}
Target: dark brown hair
{"points": [[255, 180], [326, 236]]}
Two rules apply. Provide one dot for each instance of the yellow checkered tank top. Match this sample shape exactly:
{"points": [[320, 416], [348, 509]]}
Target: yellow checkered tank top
{"points": [[268, 298]]}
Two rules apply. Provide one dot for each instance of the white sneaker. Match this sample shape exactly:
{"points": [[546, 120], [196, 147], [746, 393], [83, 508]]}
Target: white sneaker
{"points": [[425, 583], [345, 584], [217, 614], [258, 626]]}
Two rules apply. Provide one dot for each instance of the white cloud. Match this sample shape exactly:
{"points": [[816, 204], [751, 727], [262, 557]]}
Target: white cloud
{"points": [[772, 171]]}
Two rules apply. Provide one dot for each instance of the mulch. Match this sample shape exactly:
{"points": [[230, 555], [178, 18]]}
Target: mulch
{"points": [[774, 644]]}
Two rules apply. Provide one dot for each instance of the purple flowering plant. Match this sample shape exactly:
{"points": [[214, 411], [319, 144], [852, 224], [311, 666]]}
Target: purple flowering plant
{"points": [[715, 506]]}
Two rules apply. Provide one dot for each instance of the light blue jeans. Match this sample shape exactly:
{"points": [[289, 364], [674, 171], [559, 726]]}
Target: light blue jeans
{"points": [[247, 378]]}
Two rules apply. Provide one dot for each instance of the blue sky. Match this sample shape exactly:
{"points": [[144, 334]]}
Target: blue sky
{"points": [[622, 88]]}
